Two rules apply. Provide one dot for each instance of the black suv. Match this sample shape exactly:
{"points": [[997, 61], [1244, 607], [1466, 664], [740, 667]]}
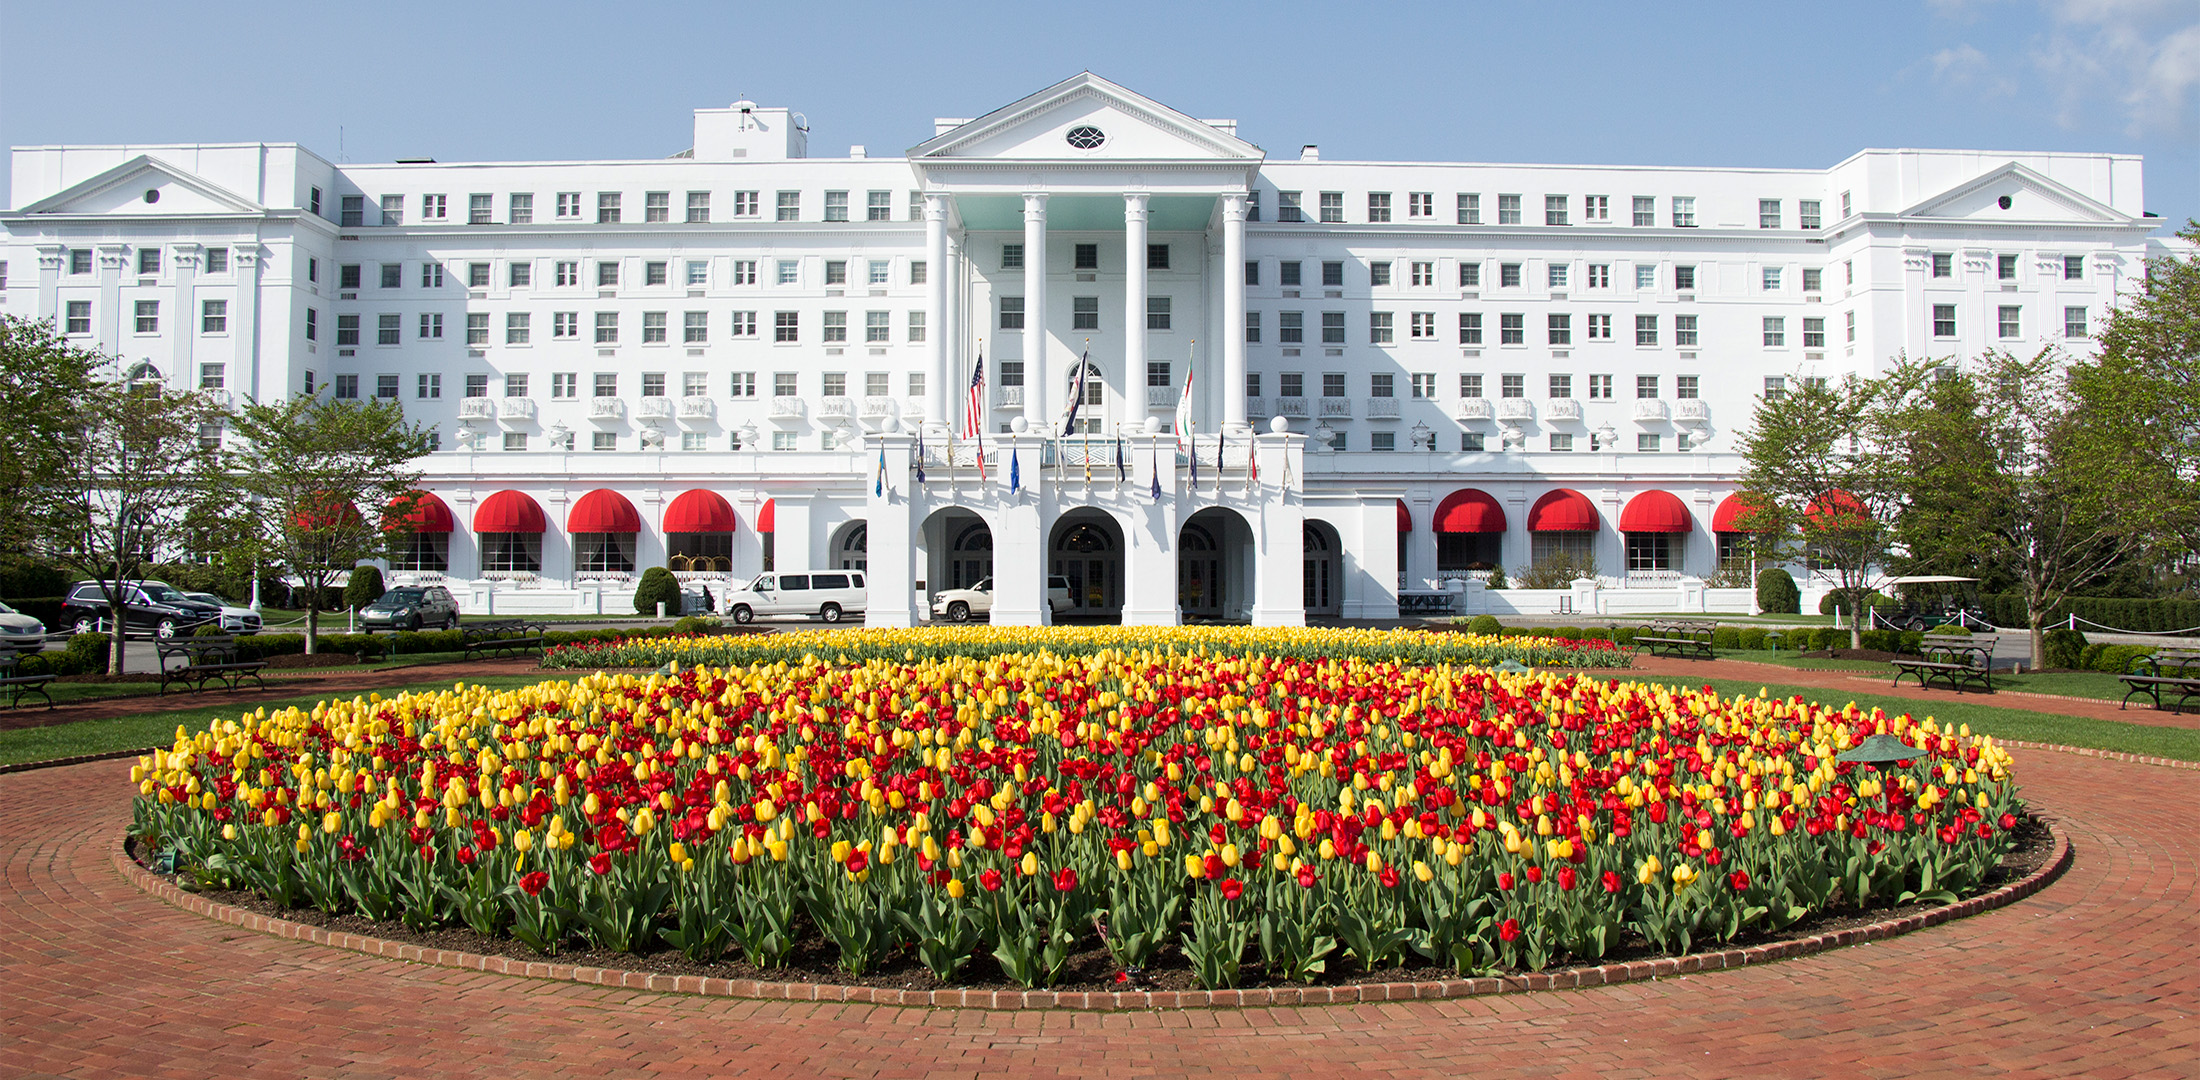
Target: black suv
{"points": [[411, 607], [151, 607]]}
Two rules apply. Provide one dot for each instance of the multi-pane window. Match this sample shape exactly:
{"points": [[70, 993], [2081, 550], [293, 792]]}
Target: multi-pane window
{"points": [[393, 209], [148, 316], [1332, 327], [878, 272], [1084, 313], [1684, 211], [878, 206], [698, 272], [1289, 273], [1555, 210], [1648, 443], [916, 327], [148, 260], [1378, 274], [1470, 208], [477, 385], [1423, 326], [214, 316], [78, 317], [515, 385], [1562, 442], [2074, 325], [1421, 204], [566, 274], [353, 212], [1378, 206], [653, 328], [653, 384], [1814, 332], [1684, 278], [607, 208], [1806, 214], [1012, 372], [1012, 312], [385, 387], [1470, 386], [744, 271], [428, 386], [1470, 328], [836, 272], [1646, 386], [789, 206], [521, 274], [434, 207], [1379, 328], [1646, 329], [1332, 206], [1383, 441], [1645, 210], [1600, 387], [564, 385], [788, 271], [1508, 275], [1252, 328], [694, 327], [607, 328], [1684, 331], [1849, 318], [1775, 330], [565, 324], [1561, 386], [1599, 276], [2073, 268], [1470, 275], [313, 324], [1646, 276], [877, 327], [1557, 274], [1157, 256], [786, 326], [655, 273], [835, 327], [836, 384], [1600, 328], [2007, 320], [393, 275], [605, 384], [477, 275], [607, 273], [80, 261], [1290, 327], [2005, 268], [431, 275], [743, 385], [1560, 329], [1944, 320], [569, 204], [1012, 256], [1424, 385], [1508, 209], [1771, 278], [1333, 384], [1288, 209], [656, 206], [389, 329], [1157, 313], [747, 204], [520, 208], [1768, 213], [1423, 274], [1512, 386], [698, 206], [1512, 329], [1471, 442], [1686, 387], [836, 206], [1332, 274], [431, 325], [743, 324], [1814, 279], [347, 387], [347, 329], [1944, 264], [477, 328]]}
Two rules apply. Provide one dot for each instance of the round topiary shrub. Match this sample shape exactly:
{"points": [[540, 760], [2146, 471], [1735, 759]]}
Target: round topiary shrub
{"points": [[658, 586], [1776, 592], [1484, 624], [364, 588], [2064, 648], [1947, 630]]}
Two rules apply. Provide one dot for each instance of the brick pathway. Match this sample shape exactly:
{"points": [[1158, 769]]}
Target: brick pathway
{"points": [[2096, 976]]}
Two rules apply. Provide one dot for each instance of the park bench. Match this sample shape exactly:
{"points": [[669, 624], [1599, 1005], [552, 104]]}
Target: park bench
{"points": [[1677, 637], [18, 684], [500, 636], [2166, 669], [206, 660], [1957, 665]]}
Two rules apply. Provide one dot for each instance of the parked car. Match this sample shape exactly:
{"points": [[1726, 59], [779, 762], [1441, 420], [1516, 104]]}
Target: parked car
{"points": [[151, 607], [235, 620], [20, 631], [958, 605], [829, 595], [412, 607]]}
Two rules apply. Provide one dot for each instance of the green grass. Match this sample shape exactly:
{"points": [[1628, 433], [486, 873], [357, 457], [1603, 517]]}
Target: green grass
{"points": [[332, 622], [2146, 739], [159, 728]]}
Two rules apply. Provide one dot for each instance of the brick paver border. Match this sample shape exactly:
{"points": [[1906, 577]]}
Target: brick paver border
{"points": [[2059, 860]]}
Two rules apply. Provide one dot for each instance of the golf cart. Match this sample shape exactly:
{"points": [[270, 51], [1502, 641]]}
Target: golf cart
{"points": [[1925, 601]]}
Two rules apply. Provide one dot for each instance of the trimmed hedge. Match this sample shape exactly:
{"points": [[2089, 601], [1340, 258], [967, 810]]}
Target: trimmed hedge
{"points": [[1726, 637], [46, 609], [1776, 592], [1751, 637], [1484, 624], [2142, 616]]}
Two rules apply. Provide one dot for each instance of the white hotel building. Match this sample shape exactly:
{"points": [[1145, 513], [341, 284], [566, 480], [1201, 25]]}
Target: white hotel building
{"points": [[1414, 370]]}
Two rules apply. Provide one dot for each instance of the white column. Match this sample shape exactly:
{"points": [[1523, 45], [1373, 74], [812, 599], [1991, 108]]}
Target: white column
{"points": [[937, 368], [1233, 312], [1134, 311], [1039, 385]]}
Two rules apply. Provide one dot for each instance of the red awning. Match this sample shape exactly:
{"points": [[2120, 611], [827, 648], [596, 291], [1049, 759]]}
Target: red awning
{"points": [[1731, 512], [429, 515], [1405, 517], [327, 515], [1468, 510], [1837, 509], [1564, 510], [700, 511], [766, 519], [510, 512], [1655, 512], [603, 511]]}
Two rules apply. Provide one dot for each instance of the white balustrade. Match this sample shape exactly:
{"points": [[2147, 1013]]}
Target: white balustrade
{"points": [[516, 408], [1649, 410], [1564, 408]]}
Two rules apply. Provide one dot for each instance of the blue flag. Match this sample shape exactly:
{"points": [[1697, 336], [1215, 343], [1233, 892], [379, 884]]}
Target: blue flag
{"points": [[1122, 468], [920, 455], [879, 487], [1157, 476], [1015, 471]]}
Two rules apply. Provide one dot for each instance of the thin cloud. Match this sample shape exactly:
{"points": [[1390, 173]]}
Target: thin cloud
{"points": [[2143, 56]]}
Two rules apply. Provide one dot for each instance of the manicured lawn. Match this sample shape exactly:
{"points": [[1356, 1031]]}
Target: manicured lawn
{"points": [[158, 728], [2147, 739]]}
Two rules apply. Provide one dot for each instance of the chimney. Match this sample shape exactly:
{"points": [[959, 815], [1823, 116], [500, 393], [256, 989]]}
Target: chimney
{"points": [[856, 151], [1310, 152]]}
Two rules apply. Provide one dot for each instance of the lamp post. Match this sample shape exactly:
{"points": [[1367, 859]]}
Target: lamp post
{"points": [[1881, 751]]}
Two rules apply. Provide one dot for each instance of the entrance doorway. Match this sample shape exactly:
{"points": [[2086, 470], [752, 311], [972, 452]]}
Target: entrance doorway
{"points": [[1324, 571], [851, 548], [1087, 551], [1214, 566]]}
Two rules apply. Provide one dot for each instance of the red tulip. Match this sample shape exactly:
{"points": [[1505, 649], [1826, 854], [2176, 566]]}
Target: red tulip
{"points": [[1535, 875], [1509, 930], [533, 884], [857, 860], [600, 862], [1065, 879], [1306, 877], [2009, 821], [1505, 880], [466, 855], [1611, 882], [991, 880], [1232, 888], [1567, 878], [1739, 879]]}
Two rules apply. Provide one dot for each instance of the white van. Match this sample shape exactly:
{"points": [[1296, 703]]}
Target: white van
{"points": [[827, 594]]}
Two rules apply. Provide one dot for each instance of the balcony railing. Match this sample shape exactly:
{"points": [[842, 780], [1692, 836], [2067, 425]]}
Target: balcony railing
{"points": [[789, 408], [1291, 406], [516, 408], [877, 406], [1474, 408], [1649, 410], [476, 408], [1010, 397], [1513, 409], [1257, 406], [607, 408], [1692, 411], [1336, 406], [913, 409], [1162, 397], [698, 408], [1564, 408], [1381, 408], [656, 408], [838, 406]]}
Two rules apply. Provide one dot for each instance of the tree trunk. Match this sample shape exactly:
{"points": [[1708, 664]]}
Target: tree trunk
{"points": [[2033, 615], [313, 619], [117, 646]]}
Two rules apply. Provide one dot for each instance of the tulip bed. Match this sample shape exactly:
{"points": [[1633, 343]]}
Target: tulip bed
{"points": [[1182, 809], [943, 642]]}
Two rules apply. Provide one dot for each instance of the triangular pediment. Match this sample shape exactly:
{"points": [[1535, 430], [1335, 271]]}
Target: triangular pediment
{"points": [[2033, 197], [1131, 127], [122, 191]]}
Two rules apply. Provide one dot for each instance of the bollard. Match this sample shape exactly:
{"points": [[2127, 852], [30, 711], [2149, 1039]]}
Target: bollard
{"points": [[660, 609]]}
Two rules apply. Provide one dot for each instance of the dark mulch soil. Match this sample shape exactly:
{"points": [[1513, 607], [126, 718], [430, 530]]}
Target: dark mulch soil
{"points": [[814, 960], [317, 660]]}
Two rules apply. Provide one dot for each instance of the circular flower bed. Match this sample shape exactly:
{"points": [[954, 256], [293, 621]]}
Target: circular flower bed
{"points": [[1178, 808]]}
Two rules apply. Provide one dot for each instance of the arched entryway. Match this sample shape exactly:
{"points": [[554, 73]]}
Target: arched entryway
{"points": [[958, 549], [1214, 566], [851, 546], [1324, 576], [1087, 551]]}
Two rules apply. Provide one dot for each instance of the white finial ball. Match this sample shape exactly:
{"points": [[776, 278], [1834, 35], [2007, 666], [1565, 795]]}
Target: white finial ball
{"points": [[1281, 425], [1019, 425], [1153, 425]]}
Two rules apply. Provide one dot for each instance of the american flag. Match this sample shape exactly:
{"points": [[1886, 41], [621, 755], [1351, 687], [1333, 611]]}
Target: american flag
{"points": [[974, 411]]}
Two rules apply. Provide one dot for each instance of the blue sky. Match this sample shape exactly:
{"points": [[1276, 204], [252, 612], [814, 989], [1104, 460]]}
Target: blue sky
{"points": [[1773, 84]]}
